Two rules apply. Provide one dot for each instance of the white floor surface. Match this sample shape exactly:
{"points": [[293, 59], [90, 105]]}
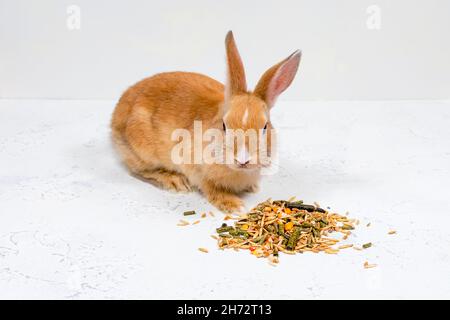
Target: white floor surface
{"points": [[75, 225]]}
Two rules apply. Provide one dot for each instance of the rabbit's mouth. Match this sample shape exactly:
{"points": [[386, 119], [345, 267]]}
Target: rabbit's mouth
{"points": [[244, 167]]}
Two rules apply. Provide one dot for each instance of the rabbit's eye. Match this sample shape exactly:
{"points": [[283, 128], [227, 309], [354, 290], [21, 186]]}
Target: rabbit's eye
{"points": [[224, 126], [265, 128]]}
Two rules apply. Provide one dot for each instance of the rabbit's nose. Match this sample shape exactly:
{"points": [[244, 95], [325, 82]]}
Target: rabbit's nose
{"points": [[243, 164], [243, 158]]}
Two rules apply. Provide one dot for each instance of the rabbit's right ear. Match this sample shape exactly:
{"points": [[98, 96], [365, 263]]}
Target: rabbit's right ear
{"points": [[236, 82], [275, 80]]}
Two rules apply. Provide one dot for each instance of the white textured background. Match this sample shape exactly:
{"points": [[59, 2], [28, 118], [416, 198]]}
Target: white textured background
{"points": [[75, 225], [120, 42]]}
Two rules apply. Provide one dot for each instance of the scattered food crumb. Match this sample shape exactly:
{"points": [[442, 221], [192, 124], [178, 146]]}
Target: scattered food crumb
{"points": [[183, 223], [189, 213], [196, 222], [203, 250], [368, 225], [345, 246], [368, 266], [211, 214], [203, 215], [392, 232], [214, 237], [367, 245]]}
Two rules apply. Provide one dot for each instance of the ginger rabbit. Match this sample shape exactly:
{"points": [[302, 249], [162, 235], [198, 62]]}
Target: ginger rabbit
{"points": [[149, 112]]}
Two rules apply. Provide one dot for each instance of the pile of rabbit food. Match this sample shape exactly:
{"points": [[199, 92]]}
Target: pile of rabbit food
{"points": [[287, 226]]}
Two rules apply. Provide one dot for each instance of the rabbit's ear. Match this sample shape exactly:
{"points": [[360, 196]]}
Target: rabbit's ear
{"points": [[275, 80], [236, 82]]}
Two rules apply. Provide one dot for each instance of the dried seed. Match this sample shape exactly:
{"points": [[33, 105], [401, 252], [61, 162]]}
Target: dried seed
{"points": [[345, 246], [367, 265], [392, 232], [203, 250], [183, 223]]}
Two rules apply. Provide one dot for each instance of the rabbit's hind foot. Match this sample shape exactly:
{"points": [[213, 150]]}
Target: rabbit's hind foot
{"points": [[168, 180]]}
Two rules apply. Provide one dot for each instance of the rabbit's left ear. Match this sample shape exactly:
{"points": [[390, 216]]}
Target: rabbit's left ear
{"points": [[236, 82], [275, 80]]}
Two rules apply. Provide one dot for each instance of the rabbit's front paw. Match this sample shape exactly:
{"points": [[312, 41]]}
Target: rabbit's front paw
{"points": [[222, 198], [228, 203], [252, 188]]}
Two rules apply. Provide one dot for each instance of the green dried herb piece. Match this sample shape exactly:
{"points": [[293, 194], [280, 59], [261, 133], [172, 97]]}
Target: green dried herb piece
{"points": [[367, 245], [238, 232], [189, 213], [280, 228], [316, 233], [262, 239], [299, 214], [293, 238], [224, 229]]}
